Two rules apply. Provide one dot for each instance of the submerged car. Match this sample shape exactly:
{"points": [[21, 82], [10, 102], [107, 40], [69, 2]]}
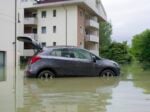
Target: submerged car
{"points": [[56, 61]]}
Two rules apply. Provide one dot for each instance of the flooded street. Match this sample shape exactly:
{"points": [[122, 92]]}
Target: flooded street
{"points": [[128, 93]]}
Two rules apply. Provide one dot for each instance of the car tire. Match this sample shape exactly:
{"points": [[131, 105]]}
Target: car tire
{"points": [[107, 73], [46, 74]]}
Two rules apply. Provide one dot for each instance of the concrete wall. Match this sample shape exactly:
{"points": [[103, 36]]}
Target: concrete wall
{"points": [[7, 37]]}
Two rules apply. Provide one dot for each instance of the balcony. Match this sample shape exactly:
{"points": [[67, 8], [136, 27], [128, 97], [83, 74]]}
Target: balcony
{"points": [[92, 38], [30, 21], [28, 52], [32, 36], [92, 24]]}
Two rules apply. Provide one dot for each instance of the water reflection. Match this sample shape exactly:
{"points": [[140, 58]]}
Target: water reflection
{"points": [[127, 98], [68, 95], [141, 78], [127, 93]]}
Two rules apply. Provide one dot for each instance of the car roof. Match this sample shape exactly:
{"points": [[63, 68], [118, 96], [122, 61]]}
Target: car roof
{"points": [[57, 47], [49, 48]]}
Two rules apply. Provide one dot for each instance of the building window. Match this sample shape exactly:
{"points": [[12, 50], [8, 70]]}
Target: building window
{"points": [[54, 13], [54, 43], [43, 30], [54, 29], [27, 46], [43, 44], [81, 30], [43, 14], [34, 30], [34, 15], [2, 65], [81, 13]]}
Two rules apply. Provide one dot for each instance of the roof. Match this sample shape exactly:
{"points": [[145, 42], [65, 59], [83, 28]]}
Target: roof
{"points": [[83, 3], [50, 1]]}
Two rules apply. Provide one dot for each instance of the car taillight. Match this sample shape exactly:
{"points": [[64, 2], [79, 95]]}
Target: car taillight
{"points": [[35, 59]]}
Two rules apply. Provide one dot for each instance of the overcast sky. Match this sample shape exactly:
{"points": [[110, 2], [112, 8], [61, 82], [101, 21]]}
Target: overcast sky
{"points": [[128, 17]]}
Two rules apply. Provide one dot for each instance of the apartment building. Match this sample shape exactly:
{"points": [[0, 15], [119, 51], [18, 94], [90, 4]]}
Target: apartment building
{"points": [[60, 22]]}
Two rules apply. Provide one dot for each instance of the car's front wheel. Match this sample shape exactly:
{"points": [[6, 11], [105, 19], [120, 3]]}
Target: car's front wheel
{"points": [[107, 73], [46, 74]]}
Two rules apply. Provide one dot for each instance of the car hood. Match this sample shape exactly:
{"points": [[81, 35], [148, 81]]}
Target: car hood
{"points": [[107, 62]]}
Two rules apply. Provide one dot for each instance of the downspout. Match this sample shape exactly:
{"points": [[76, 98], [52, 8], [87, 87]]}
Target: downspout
{"points": [[66, 21], [15, 41], [15, 76]]}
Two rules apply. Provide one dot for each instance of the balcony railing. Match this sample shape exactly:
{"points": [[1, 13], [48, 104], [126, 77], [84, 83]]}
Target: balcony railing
{"points": [[29, 52], [92, 38], [30, 21], [92, 24], [32, 36]]}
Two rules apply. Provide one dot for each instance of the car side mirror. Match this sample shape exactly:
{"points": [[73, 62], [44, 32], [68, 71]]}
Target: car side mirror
{"points": [[94, 59]]}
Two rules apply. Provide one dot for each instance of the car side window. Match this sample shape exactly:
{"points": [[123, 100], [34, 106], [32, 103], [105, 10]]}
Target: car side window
{"points": [[56, 52], [60, 53], [82, 54], [65, 53]]}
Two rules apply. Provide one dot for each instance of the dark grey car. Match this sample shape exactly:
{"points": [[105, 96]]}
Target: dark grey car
{"points": [[67, 61]]}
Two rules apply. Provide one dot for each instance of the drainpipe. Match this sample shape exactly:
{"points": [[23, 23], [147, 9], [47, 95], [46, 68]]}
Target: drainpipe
{"points": [[15, 76], [15, 36], [66, 21]]}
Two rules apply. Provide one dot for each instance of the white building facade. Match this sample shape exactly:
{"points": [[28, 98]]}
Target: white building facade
{"points": [[61, 22], [7, 55]]}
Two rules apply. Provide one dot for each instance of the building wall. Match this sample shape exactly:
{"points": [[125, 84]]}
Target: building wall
{"points": [[81, 27], [66, 19], [7, 37], [7, 31], [97, 6]]}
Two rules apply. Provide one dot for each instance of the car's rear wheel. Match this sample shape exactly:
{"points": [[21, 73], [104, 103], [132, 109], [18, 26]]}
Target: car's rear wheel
{"points": [[46, 74], [107, 73]]}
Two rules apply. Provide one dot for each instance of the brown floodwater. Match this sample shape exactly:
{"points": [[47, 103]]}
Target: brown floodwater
{"points": [[128, 93]]}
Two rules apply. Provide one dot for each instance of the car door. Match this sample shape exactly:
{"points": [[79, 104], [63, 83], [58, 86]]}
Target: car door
{"points": [[83, 61], [63, 62]]}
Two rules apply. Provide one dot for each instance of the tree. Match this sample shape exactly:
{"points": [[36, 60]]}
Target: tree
{"points": [[105, 36], [141, 47], [112, 50], [118, 52]]}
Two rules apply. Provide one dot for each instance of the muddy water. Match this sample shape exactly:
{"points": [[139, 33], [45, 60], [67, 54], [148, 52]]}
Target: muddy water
{"points": [[128, 93]]}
